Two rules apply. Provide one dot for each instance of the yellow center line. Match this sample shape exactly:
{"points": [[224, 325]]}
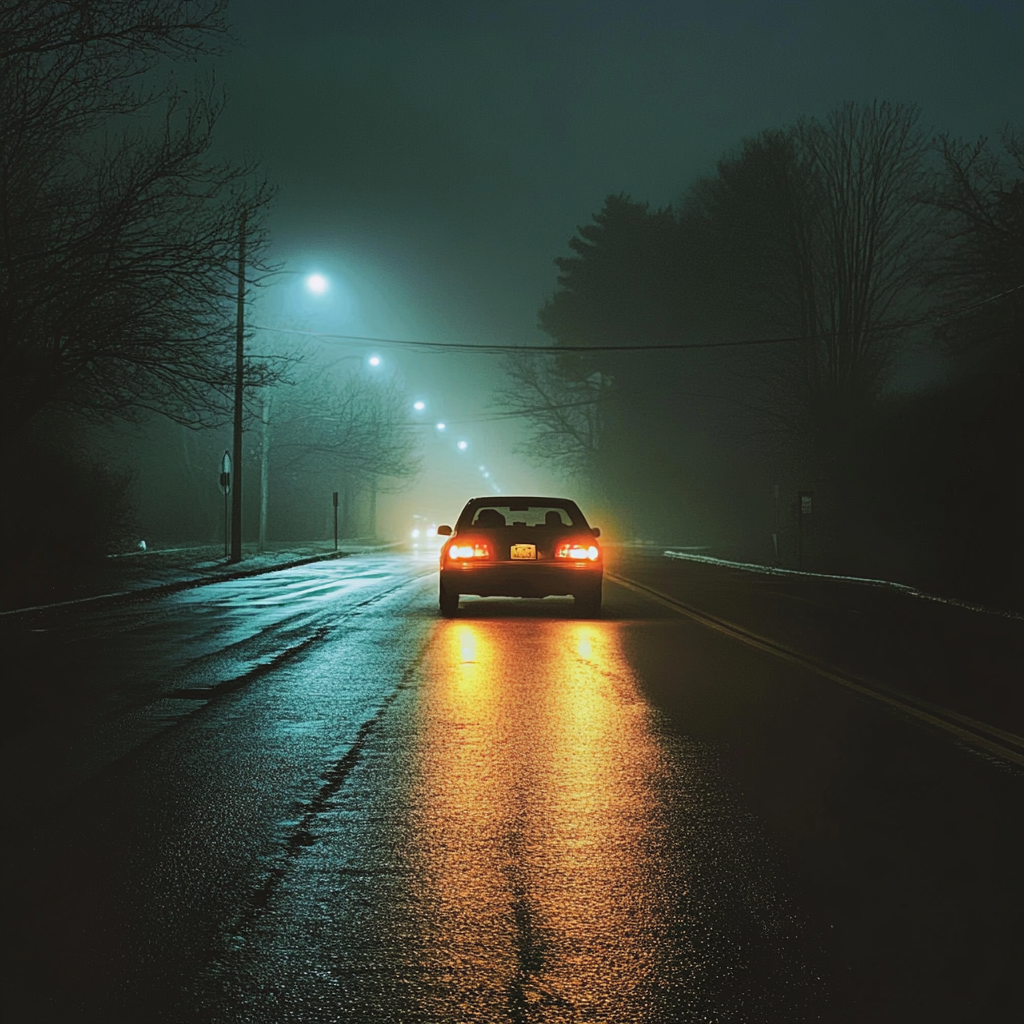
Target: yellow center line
{"points": [[963, 728]]}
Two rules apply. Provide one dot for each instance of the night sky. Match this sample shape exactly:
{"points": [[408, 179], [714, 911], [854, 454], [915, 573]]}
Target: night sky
{"points": [[434, 158]]}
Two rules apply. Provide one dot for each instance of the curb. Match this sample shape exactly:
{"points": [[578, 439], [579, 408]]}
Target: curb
{"points": [[163, 589], [864, 581]]}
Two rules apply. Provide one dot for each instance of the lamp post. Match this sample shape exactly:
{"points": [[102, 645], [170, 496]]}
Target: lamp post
{"points": [[317, 284]]}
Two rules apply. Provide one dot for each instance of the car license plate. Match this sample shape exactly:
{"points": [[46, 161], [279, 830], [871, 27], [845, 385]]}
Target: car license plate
{"points": [[524, 550]]}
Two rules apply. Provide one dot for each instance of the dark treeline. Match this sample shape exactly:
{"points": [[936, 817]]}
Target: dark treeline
{"points": [[120, 231], [120, 243], [877, 251], [118, 234], [118, 256], [320, 432]]}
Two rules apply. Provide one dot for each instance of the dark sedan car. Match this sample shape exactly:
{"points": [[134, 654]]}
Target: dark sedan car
{"points": [[521, 547]]}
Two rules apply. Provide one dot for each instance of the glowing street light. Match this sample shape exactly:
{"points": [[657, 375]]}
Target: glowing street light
{"points": [[419, 406], [374, 360], [441, 426], [463, 445], [316, 284]]}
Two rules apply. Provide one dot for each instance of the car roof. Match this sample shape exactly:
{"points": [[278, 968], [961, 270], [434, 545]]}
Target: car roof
{"points": [[505, 500], [519, 499]]}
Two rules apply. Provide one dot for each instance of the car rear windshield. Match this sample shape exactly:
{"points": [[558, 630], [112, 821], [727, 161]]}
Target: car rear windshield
{"points": [[551, 516]]}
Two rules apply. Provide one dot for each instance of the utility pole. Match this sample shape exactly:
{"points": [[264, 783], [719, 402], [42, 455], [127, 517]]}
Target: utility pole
{"points": [[236, 496], [264, 468]]}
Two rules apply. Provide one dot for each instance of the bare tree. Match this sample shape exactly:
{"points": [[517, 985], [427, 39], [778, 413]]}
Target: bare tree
{"points": [[118, 233], [859, 246], [351, 431], [562, 405], [980, 265], [356, 423], [820, 233]]}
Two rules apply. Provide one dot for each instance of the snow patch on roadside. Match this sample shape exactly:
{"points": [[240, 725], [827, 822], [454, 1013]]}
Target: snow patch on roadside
{"points": [[769, 570]]}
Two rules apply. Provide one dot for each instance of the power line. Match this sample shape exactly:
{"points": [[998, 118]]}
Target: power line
{"points": [[490, 349], [492, 417]]}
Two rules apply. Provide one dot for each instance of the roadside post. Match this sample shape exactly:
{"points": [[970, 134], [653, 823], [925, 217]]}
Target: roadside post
{"points": [[803, 508], [335, 499], [225, 486], [775, 532]]}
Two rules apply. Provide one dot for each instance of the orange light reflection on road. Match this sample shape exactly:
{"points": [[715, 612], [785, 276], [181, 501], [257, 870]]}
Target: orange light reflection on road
{"points": [[539, 819], [467, 645], [459, 824]]}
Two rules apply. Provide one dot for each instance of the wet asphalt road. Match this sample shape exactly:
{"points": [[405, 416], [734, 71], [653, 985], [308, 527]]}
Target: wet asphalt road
{"points": [[304, 797]]}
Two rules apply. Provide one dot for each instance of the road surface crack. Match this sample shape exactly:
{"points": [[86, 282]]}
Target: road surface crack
{"points": [[260, 669], [302, 834]]}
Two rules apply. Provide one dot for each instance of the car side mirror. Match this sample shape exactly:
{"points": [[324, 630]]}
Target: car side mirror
{"points": [[596, 532], [444, 531]]}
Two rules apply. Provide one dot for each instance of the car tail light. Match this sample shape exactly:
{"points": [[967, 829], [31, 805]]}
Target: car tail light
{"points": [[579, 550], [458, 551]]}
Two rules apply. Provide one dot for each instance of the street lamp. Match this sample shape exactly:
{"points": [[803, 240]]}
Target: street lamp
{"points": [[419, 406], [374, 360], [317, 284]]}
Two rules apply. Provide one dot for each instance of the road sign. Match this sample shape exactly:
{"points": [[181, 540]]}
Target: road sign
{"points": [[803, 509], [225, 486], [225, 473]]}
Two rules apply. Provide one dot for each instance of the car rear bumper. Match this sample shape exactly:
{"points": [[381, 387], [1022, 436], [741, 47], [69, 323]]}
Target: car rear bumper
{"points": [[511, 580]]}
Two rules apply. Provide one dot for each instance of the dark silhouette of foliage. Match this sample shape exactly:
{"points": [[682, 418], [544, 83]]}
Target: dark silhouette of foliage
{"points": [[973, 428], [351, 430], [564, 408], [617, 289], [819, 233], [118, 233], [620, 287], [981, 262], [71, 511], [814, 232], [355, 424], [625, 421], [841, 234]]}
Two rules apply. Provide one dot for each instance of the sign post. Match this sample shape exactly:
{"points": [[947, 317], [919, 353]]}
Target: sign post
{"points": [[225, 486], [775, 532], [803, 508], [335, 499]]}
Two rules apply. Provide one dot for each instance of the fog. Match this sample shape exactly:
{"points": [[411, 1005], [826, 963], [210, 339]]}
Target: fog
{"points": [[431, 162]]}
